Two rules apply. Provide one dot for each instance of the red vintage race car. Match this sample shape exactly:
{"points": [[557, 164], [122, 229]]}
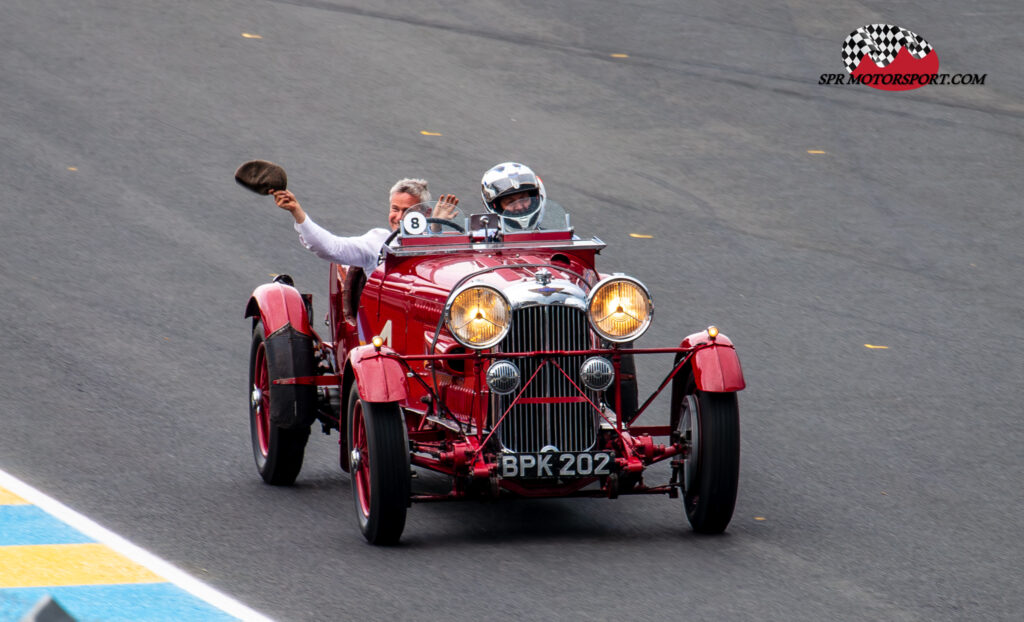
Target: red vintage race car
{"points": [[498, 357]]}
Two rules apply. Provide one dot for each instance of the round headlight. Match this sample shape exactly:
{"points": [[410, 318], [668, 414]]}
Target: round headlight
{"points": [[620, 308], [479, 317]]}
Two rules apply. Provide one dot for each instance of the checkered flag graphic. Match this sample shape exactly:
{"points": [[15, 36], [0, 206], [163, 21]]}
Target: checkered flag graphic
{"points": [[882, 42]]}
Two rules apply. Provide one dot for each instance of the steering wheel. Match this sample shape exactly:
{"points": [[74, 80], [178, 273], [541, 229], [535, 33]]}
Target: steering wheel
{"points": [[434, 221], [448, 223], [391, 237]]}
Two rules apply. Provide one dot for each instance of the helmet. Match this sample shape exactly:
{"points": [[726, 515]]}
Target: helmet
{"points": [[510, 178]]}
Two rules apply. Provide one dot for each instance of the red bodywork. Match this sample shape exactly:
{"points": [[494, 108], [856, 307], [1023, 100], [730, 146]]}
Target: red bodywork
{"points": [[378, 374], [716, 367], [279, 305], [441, 385]]}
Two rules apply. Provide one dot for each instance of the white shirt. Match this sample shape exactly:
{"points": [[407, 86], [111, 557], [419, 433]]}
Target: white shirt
{"points": [[361, 251]]}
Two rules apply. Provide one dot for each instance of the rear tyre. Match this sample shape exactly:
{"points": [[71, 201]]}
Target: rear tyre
{"points": [[379, 465], [278, 452], [711, 422]]}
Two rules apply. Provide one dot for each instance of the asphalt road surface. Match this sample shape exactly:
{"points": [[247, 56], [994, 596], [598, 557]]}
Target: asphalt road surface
{"points": [[807, 221]]}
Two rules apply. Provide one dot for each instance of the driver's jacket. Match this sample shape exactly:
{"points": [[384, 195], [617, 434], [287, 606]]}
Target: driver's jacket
{"points": [[358, 251]]}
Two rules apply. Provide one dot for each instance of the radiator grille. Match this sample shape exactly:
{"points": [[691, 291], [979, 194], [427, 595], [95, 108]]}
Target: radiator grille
{"points": [[567, 426]]}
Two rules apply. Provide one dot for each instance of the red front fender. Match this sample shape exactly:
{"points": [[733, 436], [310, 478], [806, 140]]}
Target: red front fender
{"points": [[716, 367], [380, 378], [279, 305]]}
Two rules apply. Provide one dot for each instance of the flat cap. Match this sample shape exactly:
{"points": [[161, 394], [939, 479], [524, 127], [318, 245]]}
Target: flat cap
{"points": [[261, 177]]}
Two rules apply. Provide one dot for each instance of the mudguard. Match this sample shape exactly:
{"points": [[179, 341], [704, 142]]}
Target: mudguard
{"points": [[290, 355], [279, 304], [380, 378], [716, 368], [289, 341]]}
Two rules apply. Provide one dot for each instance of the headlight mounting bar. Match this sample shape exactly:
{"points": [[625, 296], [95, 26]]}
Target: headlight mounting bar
{"points": [[333, 379]]}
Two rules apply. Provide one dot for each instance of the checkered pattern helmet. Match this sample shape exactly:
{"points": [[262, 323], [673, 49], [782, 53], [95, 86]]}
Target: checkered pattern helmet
{"points": [[511, 178], [882, 42]]}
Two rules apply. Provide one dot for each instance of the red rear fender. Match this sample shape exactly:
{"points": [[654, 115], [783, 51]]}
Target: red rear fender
{"points": [[380, 379], [279, 305]]}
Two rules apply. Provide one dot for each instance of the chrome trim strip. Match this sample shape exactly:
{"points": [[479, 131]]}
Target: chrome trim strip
{"points": [[442, 249]]}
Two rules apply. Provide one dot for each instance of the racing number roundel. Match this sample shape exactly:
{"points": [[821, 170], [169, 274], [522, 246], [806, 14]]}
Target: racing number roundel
{"points": [[414, 223]]}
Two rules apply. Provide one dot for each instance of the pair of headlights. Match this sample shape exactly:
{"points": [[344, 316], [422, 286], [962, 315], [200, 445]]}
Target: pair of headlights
{"points": [[619, 309]]}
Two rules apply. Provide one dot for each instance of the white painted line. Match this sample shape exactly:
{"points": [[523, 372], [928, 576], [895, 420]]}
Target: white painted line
{"points": [[133, 552]]}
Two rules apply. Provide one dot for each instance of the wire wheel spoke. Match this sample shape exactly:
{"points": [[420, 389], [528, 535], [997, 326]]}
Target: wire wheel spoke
{"points": [[261, 400], [363, 458]]}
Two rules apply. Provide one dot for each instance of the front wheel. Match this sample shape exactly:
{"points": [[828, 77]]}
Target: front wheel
{"points": [[379, 465], [278, 451], [710, 473]]}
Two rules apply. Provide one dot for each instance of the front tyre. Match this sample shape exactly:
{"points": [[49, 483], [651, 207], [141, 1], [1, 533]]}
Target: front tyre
{"points": [[379, 465], [278, 451], [711, 423]]}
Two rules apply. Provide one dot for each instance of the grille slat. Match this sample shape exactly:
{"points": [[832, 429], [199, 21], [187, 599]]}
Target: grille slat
{"points": [[531, 427]]}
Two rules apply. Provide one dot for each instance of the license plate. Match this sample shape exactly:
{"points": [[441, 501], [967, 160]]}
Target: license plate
{"points": [[556, 464]]}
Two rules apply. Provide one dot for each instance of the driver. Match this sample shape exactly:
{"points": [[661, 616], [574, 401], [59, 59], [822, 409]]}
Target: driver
{"points": [[514, 192], [363, 250]]}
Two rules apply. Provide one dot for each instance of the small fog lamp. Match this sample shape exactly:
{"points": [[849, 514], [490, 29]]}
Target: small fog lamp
{"points": [[597, 373], [503, 377]]}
